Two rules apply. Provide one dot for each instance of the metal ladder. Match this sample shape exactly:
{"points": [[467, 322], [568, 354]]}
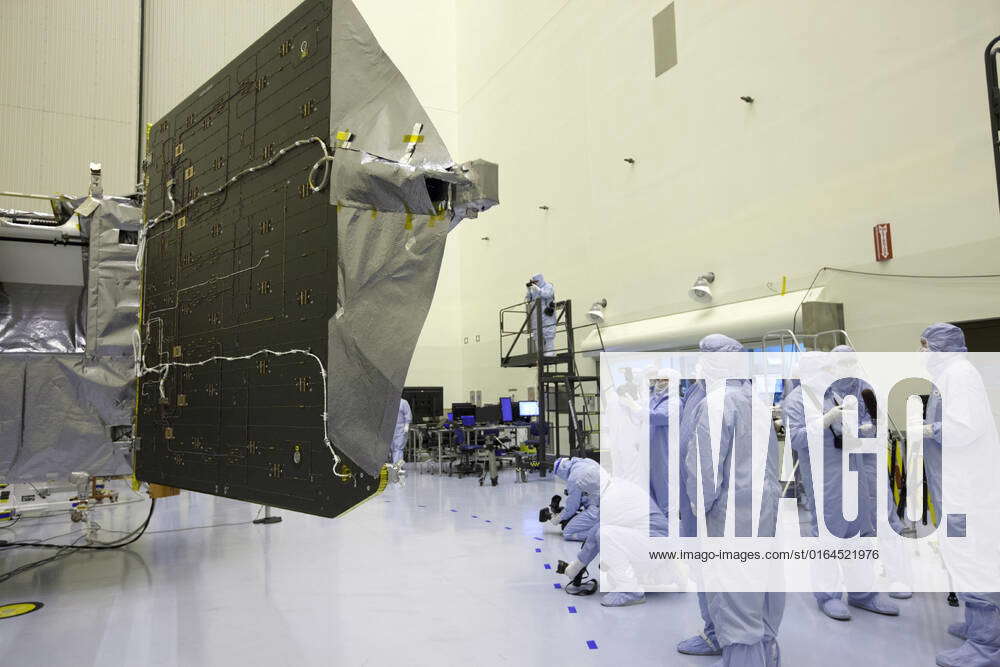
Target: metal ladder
{"points": [[562, 389]]}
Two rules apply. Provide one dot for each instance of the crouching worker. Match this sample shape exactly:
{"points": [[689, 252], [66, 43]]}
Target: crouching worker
{"points": [[636, 518], [581, 511]]}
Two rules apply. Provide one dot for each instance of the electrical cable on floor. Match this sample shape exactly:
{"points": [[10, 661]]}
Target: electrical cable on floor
{"points": [[65, 551], [11, 524], [5, 546], [214, 525], [40, 542], [68, 549], [181, 530]]}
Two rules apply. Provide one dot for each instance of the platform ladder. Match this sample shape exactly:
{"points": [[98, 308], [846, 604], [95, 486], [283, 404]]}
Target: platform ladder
{"points": [[568, 400]]}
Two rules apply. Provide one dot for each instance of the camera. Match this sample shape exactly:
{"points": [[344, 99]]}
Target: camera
{"points": [[554, 507]]}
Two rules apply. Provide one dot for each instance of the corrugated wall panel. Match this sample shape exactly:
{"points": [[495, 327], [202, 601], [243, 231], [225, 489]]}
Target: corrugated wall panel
{"points": [[68, 91], [187, 41], [69, 76]]}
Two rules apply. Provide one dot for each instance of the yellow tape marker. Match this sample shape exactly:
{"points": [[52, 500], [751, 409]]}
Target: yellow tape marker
{"points": [[413, 138], [19, 609], [344, 135], [438, 215], [409, 222], [374, 214], [784, 285]]}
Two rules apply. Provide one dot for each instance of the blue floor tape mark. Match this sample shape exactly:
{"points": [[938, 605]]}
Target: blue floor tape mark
{"points": [[475, 516], [538, 551], [488, 521], [539, 539], [591, 644], [506, 527], [454, 510], [571, 610], [548, 567], [556, 585]]}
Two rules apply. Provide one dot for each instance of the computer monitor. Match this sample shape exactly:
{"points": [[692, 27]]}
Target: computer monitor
{"points": [[488, 414], [426, 403], [463, 410], [528, 408], [506, 410], [468, 420]]}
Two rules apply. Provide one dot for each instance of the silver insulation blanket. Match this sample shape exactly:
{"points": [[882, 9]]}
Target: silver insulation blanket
{"points": [[370, 98], [360, 181], [42, 318], [64, 408], [58, 412], [112, 281], [387, 273], [387, 280]]}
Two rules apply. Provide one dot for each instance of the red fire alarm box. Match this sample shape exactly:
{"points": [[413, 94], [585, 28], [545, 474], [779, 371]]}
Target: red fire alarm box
{"points": [[883, 242]]}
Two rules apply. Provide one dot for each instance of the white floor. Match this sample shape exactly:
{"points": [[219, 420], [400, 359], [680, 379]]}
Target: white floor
{"points": [[440, 572]]}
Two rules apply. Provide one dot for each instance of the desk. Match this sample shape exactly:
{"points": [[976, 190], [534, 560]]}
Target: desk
{"points": [[419, 437], [415, 441], [424, 432], [440, 437], [491, 455]]}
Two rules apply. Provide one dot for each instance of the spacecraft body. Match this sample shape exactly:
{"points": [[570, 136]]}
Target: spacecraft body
{"points": [[67, 380]]}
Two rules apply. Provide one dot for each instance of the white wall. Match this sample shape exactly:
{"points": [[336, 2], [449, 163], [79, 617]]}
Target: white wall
{"points": [[863, 114], [420, 37], [68, 90], [189, 40]]}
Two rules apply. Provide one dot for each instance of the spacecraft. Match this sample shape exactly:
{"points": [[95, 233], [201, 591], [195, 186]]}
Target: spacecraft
{"points": [[248, 332]]}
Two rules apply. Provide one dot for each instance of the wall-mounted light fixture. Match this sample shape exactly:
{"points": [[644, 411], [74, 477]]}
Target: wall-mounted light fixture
{"points": [[596, 313], [701, 291]]}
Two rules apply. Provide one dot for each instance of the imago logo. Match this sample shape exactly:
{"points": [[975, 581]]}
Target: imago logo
{"points": [[803, 463]]}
